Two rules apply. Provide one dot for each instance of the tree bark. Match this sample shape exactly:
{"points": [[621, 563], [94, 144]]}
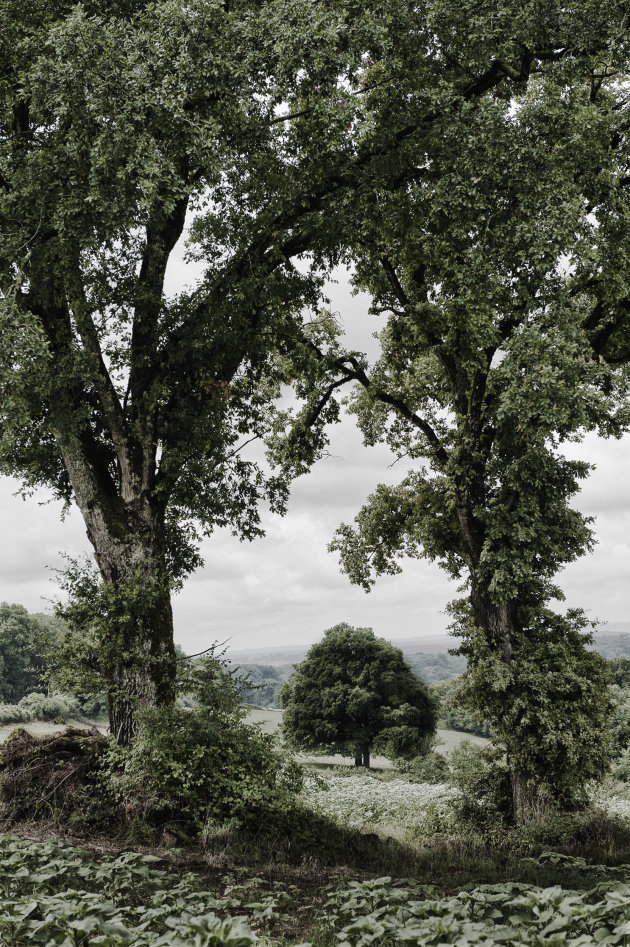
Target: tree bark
{"points": [[498, 620], [140, 668], [137, 660], [143, 675]]}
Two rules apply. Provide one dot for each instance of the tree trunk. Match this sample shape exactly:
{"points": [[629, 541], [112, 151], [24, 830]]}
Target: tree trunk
{"points": [[136, 651], [498, 622], [362, 755], [140, 669], [148, 679], [530, 799]]}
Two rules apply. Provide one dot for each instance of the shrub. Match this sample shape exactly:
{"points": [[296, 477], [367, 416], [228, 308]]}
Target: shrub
{"points": [[484, 780], [431, 768], [40, 707], [192, 765], [11, 713], [57, 707]]}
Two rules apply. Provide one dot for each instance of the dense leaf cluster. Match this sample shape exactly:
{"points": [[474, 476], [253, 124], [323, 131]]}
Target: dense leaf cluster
{"points": [[354, 693], [25, 645]]}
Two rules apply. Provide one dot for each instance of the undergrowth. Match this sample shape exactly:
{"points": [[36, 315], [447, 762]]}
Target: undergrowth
{"points": [[355, 859]]}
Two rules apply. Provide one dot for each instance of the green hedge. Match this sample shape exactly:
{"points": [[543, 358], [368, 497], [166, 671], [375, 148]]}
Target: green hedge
{"points": [[40, 707]]}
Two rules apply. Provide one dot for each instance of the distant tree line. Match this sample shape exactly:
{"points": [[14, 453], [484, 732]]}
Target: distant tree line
{"points": [[26, 642], [268, 679]]}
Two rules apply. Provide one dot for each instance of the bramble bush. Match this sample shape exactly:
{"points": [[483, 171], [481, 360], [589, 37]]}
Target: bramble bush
{"points": [[192, 765]]}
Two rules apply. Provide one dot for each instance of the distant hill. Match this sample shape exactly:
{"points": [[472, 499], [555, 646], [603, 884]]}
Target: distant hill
{"points": [[429, 657], [269, 677], [276, 655], [613, 640]]}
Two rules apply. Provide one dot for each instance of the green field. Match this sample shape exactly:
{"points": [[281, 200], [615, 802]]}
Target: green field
{"points": [[271, 720]]}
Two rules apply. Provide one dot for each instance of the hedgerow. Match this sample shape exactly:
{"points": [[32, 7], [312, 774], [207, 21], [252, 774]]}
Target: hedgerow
{"points": [[40, 707]]}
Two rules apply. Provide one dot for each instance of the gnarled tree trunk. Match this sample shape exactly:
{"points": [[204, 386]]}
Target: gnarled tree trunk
{"points": [[140, 667], [137, 660]]}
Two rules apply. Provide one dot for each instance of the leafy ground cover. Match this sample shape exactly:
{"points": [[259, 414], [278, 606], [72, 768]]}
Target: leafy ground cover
{"points": [[54, 893], [380, 912], [57, 894], [370, 859]]}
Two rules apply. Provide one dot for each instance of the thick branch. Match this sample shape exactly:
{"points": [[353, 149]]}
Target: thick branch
{"points": [[112, 409], [356, 373], [161, 236]]}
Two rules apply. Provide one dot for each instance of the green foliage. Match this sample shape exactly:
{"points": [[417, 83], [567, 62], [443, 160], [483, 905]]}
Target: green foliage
{"points": [[211, 682], [36, 706], [554, 726], [430, 768], [54, 894], [267, 681], [435, 667], [354, 692], [484, 780], [197, 765], [621, 765], [619, 668], [102, 624], [453, 715], [619, 721], [491, 357], [123, 128], [25, 644], [379, 911]]}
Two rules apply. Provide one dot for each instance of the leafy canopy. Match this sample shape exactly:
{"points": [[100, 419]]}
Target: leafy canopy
{"points": [[354, 691]]}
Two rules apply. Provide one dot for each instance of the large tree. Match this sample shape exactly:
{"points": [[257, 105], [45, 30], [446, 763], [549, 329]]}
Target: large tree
{"points": [[118, 123], [353, 693], [488, 363]]}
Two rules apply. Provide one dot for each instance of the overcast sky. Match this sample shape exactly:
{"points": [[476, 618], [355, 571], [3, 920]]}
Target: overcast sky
{"points": [[286, 588]]}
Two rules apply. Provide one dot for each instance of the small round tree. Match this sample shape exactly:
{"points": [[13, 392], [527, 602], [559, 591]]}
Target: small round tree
{"points": [[354, 693]]}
